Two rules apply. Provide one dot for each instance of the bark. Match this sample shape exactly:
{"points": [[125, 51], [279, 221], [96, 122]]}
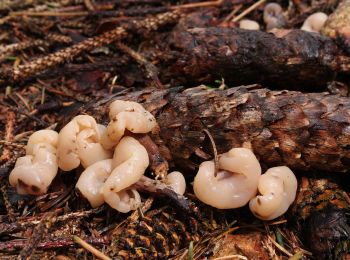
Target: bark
{"points": [[303, 131], [286, 59]]}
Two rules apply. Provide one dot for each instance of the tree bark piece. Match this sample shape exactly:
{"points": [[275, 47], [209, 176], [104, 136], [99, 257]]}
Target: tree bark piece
{"points": [[303, 131], [286, 59]]}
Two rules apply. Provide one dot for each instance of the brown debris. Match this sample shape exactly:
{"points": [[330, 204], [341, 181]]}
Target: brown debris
{"points": [[337, 25], [241, 246]]}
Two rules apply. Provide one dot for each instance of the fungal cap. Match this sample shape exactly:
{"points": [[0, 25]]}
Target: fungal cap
{"points": [[34, 173], [123, 201], [278, 188], [249, 24], [92, 179], [177, 182], [235, 184], [126, 115], [42, 136], [78, 142], [314, 22], [273, 16], [130, 161]]}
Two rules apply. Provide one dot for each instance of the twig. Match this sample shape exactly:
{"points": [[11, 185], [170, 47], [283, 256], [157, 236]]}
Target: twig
{"points": [[231, 257], [49, 13], [90, 248], [39, 232], [215, 152], [89, 5], [248, 10], [197, 5], [7, 203], [232, 14], [151, 69], [280, 247]]}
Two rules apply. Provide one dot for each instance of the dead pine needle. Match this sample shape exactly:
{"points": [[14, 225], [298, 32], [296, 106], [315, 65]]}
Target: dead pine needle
{"points": [[281, 248], [248, 10], [231, 257], [215, 151], [197, 5], [90, 248]]}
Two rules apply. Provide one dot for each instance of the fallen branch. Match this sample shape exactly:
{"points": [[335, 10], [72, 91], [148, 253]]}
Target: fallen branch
{"points": [[286, 59], [303, 131]]}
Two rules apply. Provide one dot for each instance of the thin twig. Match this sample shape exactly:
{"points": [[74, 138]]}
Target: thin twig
{"points": [[248, 10], [215, 151], [151, 69], [231, 257], [90, 248], [39, 232], [7, 203], [49, 13], [280, 247], [196, 5], [232, 14]]}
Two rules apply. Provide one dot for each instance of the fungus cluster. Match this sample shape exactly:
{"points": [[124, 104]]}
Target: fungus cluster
{"points": [[114, 162], [238, 180]]}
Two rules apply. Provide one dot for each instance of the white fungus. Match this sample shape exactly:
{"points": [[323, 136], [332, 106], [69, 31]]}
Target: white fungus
{"points": [[91, 181], [34, 172], [126, 115], [130, 161], [314, 22], [176, 181], [235, 184], [79, 142], [278, 187], [249, 24], [273, 16]]}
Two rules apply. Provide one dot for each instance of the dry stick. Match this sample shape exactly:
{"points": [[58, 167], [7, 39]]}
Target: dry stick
{"points": [[90, 248], [151, 69], [196, 5], [248, 10], [85, 13], [24, 71], [7, 203], [49, 13], [89, 5], [39, 232], [215, 152], [232, 14]]}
